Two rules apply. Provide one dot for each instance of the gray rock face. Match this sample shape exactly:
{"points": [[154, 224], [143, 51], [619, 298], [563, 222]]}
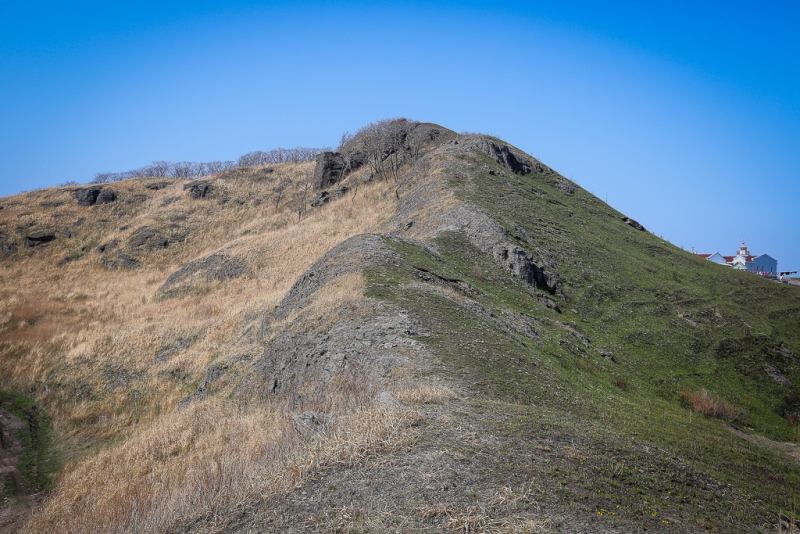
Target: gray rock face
{"points": [[106, 196], [520, 263], [310, 425], [87, 196], [631, 222], [328, 170], [39, 238], [198, 189], [321, 199], [517, 162]]}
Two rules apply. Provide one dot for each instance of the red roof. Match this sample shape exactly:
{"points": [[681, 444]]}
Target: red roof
{"points": [[705, 255]]}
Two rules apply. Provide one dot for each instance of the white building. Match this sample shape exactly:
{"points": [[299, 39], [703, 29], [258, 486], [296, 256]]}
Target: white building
{"points": [[764, 264]]}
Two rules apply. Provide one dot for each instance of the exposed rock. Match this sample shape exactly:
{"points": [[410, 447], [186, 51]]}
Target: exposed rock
{"points": [[777, 376], [328, 170], [107, 246], [309, 424], [198, 189], [607, 355], [126, 262], [9, 248], [520, 263], [631, 222], [354, 254], [340, 191], [512, 159], [39, 238], [155, 186], [87, 196], [366, 178], [321, 199], [106, 196], [219, 267], [149, 236]]}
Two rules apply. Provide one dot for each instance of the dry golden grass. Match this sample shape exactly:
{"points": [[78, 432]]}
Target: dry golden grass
{"points": [[424, 394], [702, 402], [110, 361], [94, 345], [206, 460]]}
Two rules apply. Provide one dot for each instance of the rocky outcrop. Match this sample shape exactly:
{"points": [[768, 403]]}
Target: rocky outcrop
{"points": [[106, 196], [631, 222], [198, 189], [328, 170], [87, 196], [510, 158], [150, 237], [39, 238], [520, 263], [322, 198], [156, 186]]}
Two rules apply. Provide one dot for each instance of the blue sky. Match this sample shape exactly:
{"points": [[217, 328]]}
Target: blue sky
{"points": [[685, 115]]}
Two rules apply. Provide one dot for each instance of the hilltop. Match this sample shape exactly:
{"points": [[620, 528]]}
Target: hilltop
{"points": [[422, 331]]}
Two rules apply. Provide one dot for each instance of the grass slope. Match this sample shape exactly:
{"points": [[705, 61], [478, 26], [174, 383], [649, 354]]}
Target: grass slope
{"points": [[647, 332]]}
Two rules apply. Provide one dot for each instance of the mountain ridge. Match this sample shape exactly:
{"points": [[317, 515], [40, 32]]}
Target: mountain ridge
{"points": [[565, 357]]}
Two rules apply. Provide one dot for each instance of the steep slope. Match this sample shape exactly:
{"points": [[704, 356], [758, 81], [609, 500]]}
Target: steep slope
{"points": [[474, 342]]}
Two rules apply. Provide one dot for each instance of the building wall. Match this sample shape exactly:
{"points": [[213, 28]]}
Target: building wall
{"points": [[717, 258], [763, 264]]}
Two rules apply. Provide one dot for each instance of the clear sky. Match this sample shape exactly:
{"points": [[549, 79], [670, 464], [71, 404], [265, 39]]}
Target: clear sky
{"points": [[685, 115]]}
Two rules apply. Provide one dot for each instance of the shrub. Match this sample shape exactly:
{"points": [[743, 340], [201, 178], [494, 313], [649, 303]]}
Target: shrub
{"points": [[702, 402]]}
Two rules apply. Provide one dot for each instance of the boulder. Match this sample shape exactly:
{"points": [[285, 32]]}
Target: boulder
{"points": [[631, 222], [87, 196], [106, 196], [328, 170], [321, 199], [39, 238], [198, 189]]}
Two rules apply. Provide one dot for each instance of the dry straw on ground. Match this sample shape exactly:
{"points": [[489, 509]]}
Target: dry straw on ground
{"points": [[206, 460]]}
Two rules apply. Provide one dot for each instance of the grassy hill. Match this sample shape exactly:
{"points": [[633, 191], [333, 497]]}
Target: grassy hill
{"points": [[463, 340]]}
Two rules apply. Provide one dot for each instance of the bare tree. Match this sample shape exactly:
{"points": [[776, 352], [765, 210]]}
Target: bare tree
{"points": [[346, 149], [372, 141], [160, 168], [279, 189], [394, 135], [301, 197], [416, 141]]}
